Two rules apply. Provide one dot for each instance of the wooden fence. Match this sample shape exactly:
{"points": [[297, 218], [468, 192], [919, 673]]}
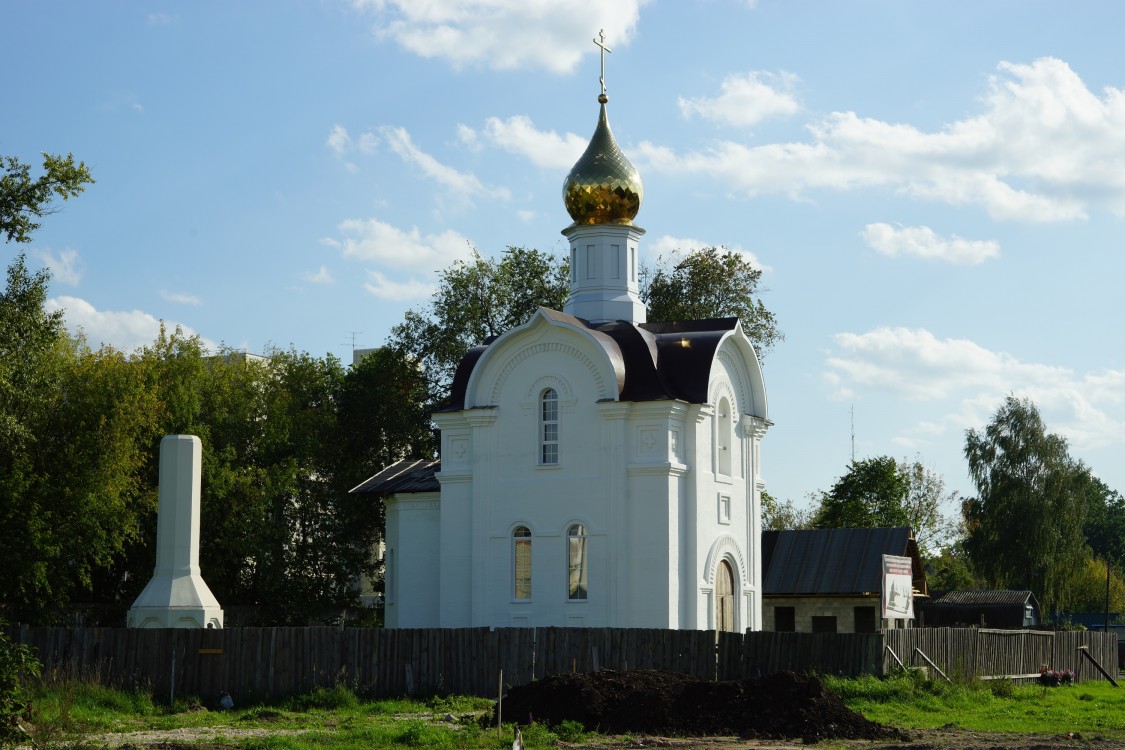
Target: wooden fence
{"points": [[261, 663], [983, 653]]}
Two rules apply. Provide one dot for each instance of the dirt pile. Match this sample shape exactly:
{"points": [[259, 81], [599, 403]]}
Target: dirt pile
{"points": [[778, 706]]}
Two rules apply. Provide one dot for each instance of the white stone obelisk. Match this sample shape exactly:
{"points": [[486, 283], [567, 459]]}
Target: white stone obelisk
{"points": [[177, 597]]}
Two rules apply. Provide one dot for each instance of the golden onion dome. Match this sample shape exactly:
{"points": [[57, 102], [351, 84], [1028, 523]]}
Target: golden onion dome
{"points": [[603, 187]]}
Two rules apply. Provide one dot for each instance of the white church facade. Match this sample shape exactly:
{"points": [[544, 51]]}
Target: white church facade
{"points": [[596, 470]]}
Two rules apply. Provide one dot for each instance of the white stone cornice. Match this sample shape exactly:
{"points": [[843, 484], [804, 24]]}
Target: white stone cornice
{"points": [[481, 417], [663, 468]]}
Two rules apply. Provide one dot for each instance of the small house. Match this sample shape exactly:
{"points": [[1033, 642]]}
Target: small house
{"points": [[985, 609], [831, 580]]}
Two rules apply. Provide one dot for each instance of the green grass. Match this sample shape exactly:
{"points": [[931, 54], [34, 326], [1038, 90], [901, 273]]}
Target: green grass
{"points": [[910, 701], [73, 714]]}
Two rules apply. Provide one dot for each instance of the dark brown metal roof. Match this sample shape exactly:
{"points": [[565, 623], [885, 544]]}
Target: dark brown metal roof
{"points": [[402, 477], [833, 561]]}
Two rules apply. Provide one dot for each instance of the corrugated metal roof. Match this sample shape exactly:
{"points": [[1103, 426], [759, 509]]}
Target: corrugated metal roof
{"points": [[830, 561], [973, 598], [403, 476]]}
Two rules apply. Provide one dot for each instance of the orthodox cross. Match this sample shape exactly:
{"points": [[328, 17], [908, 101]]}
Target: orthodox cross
{"points": [[601, 78]]}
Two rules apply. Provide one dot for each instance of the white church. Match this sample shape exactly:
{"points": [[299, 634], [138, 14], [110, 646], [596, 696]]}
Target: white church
{"points": [[596, 470]]}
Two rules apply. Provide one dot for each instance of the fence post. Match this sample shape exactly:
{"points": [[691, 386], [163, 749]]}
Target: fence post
{"points": [[1085, 651]]}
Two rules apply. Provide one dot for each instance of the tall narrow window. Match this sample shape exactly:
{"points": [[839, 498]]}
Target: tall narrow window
{"points": [[723, 437], [549, 427], [521, 563], [576, 562]]}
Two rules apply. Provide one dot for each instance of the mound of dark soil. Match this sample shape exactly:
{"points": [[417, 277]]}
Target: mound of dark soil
{"points": [[778, 706]]}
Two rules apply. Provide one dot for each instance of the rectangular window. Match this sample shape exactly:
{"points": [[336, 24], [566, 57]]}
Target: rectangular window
{"points": [[784, 619], [823, 624], [576, 563], [865, 621], [521, 563], [549, 427]]}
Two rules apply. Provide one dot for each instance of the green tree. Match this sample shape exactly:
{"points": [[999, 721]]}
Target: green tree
{"points": [[477, 300], [778, 515], [1088, 592], [23, 201], [871, 494], [711, 283], [382, 415], [948, 570], [1105, 521], [925, 496], [1025, 525]]}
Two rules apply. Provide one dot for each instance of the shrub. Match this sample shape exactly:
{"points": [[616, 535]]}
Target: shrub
{"points": [[1055, 678], [18, 666]]}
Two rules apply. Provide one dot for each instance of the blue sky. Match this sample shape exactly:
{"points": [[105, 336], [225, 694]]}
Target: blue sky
{"points": [[935, 191]]}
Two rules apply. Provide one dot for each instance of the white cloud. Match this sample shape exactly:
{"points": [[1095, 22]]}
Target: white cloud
{"points": [[462, 185], [339, 140], [504, 34], [374, 241], [124, 331], [922, 242], [747, 99], [1044, 148], [672, 249], [66, 267], [161, 19], [518, 135], [397, 291], [913, 364], [183, 299], [323, 276]]}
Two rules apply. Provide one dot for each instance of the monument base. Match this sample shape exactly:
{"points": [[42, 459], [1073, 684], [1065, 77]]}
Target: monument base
{"points": [[181, 602]]}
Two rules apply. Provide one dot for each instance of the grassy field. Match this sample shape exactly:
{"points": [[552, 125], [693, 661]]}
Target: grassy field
{"points": [[77, 716], [912, 702]]}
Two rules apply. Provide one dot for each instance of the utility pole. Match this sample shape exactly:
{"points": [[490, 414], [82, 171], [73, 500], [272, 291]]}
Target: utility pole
{"points": [[853, 432]]}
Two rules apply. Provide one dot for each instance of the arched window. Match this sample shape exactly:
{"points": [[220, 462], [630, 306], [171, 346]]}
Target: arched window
{"points": [[549, 427], [723, 437], [521, 563], [576, 551]]}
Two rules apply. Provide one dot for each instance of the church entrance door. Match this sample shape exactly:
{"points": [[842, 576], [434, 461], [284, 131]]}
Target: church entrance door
{"points": [[724, 597]]}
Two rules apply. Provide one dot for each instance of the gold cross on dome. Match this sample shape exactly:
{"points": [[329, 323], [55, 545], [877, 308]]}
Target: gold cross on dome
{"points": [[601, 78]]}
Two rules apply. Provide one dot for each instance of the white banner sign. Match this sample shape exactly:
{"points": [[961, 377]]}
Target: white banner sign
{"points": [[898, 586]]}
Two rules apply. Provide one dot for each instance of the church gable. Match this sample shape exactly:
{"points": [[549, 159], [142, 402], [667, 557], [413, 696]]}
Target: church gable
{"points": [[553, 350]]}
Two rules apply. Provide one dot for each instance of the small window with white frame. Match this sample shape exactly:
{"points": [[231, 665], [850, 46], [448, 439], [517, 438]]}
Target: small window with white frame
{"points": [[549, 427]]}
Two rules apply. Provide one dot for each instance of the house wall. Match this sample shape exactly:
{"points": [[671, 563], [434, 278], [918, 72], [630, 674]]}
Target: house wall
{"points": [[807, 607], [411, 582]]}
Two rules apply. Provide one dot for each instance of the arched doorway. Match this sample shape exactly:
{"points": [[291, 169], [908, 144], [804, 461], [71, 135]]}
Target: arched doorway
{"points": [[724, 597]]}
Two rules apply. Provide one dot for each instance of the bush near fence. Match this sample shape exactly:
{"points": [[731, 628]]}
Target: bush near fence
{"points": [[265, 663]]}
